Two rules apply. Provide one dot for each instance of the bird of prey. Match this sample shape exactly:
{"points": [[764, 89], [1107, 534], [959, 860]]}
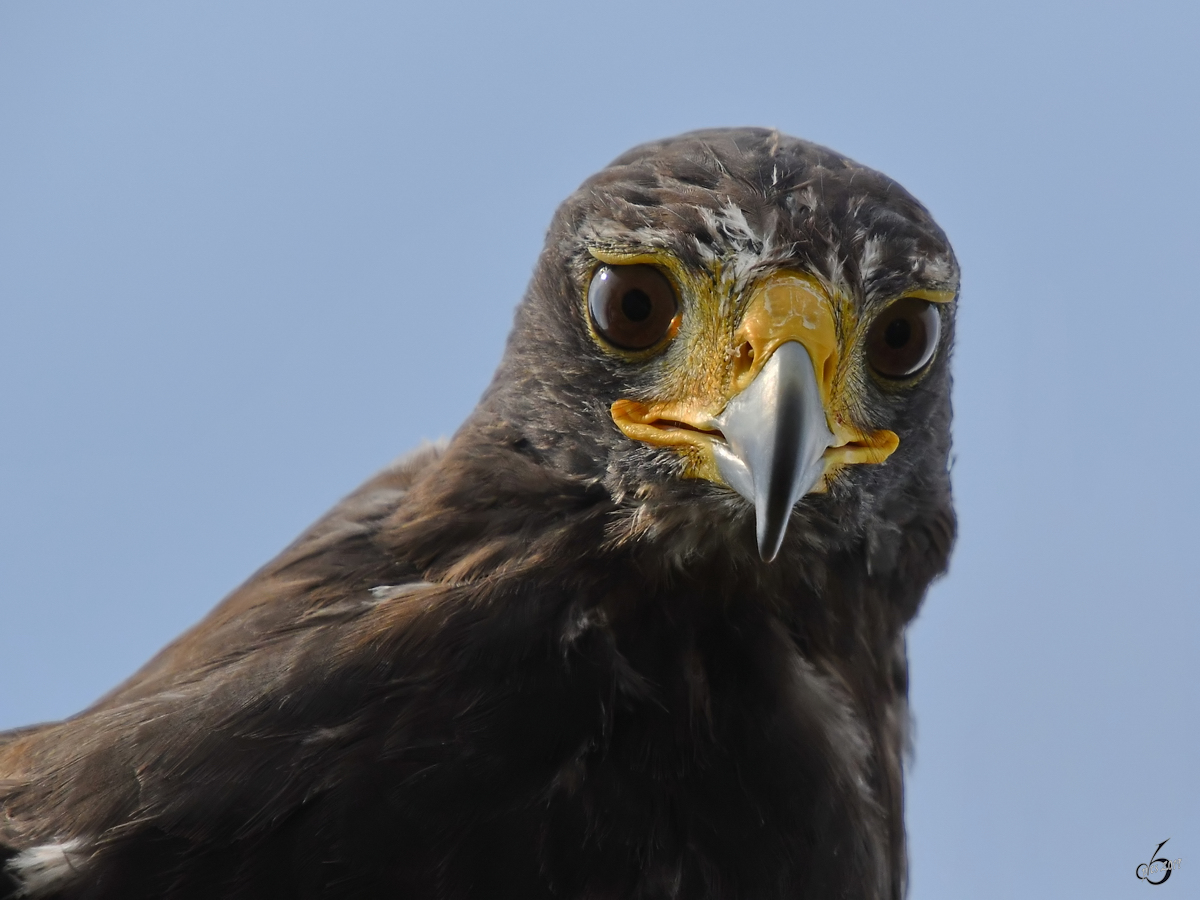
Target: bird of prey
{"points": [[636, 631]]}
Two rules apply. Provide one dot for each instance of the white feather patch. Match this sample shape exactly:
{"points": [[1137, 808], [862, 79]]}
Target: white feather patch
{"points": [[49, 867], [386, 592]]}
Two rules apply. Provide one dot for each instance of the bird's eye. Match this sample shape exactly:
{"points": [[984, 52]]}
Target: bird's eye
{"points": [[632, 307], [902, 340]]}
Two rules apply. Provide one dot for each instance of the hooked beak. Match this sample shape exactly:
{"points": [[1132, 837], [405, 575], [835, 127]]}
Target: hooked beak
{"points": [[775, 436], [774, 428]]}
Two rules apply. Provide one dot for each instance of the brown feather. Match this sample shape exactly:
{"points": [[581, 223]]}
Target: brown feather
{"points": [[537, 663]]}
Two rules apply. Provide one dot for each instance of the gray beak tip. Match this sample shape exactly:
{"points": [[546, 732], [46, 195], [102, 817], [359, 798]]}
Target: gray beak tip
{"points": [[768, 546]]}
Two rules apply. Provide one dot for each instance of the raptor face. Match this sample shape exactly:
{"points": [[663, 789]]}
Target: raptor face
{"points": [[760, 328]]}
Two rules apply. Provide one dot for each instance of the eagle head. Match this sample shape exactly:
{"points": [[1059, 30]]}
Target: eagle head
{"points": [[744, 338]]}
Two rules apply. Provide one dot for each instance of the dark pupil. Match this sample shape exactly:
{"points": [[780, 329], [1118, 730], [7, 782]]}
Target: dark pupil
{"points": [[897, 333], [636, 305]]}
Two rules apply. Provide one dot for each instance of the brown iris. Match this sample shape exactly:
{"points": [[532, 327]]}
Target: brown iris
{"points": [[902, 340], [632, 307]]}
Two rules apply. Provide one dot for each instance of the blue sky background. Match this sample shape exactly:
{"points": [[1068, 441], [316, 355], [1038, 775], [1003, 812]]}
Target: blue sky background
{"points": [[251, 251]]}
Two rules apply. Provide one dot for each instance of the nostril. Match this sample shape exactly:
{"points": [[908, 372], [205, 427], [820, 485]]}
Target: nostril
{"points": [[745, 356]]}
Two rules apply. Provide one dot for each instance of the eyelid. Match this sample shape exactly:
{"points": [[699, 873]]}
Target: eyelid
{"points": [[678, 274], [933, 295]]}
